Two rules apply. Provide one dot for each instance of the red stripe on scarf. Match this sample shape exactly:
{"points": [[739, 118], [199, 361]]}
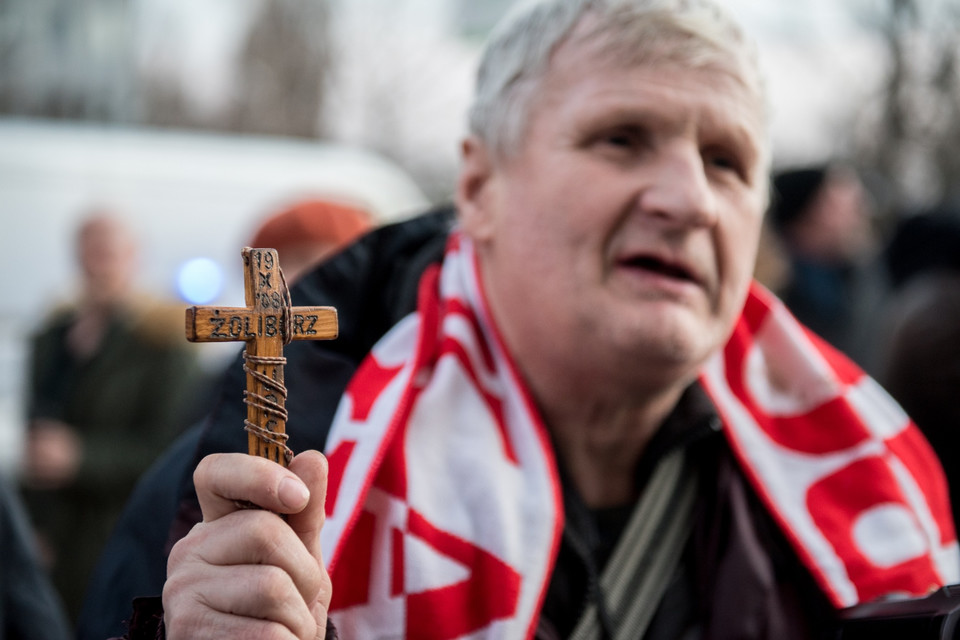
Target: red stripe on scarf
{"points": [[836, 505], [490, 594]]}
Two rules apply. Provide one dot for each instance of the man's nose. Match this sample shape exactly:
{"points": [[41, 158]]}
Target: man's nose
{"points": [[679, 190]]}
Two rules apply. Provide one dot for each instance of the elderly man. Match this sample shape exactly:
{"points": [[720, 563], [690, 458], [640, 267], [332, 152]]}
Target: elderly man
{"points": [[110, 383], [592, 424]]}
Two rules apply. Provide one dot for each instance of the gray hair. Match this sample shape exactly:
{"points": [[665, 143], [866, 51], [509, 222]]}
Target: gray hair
{"points": [[695, 33]]}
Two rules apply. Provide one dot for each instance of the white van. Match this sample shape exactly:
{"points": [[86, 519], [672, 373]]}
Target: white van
{"points": [[187, 195]]}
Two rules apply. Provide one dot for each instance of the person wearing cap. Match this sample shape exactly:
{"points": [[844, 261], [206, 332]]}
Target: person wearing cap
{"points": [[308, 231], [565, 410]]}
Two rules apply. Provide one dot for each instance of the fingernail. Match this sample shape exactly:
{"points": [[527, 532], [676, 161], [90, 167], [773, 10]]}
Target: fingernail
{"points": [[293, 493]]}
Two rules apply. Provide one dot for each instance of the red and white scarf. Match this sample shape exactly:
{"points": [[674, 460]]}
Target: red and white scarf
{"points": [[443, 506]]}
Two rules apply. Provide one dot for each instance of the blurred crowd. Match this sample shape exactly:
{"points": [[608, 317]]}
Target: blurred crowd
{"points": [[111, 383]]}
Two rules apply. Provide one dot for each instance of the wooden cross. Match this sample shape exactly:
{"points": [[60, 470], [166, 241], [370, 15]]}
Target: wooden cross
{"points": [[265, 324]]}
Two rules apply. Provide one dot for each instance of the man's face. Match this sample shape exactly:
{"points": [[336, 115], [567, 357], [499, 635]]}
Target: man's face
{"points": [[619, 238], [107, 256]]}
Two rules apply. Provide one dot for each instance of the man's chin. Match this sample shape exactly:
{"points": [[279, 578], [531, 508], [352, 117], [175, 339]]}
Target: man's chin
{"points": [[674, 334]]}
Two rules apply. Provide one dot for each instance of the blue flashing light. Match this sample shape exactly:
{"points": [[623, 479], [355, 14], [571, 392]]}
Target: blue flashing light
{"points": [[199, 280]]}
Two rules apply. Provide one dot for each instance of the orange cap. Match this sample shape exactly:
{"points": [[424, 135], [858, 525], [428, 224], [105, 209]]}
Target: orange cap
{"points": [[313, 221]]}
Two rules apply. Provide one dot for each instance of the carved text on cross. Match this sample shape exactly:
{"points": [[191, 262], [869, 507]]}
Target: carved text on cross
{"points": [[265, 324]]}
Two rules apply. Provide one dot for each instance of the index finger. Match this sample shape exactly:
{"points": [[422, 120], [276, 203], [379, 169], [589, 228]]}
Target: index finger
{"points": [[223, 479]]}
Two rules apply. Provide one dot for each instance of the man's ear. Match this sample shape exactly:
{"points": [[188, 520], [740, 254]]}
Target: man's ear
{"points": [[474, 193]]}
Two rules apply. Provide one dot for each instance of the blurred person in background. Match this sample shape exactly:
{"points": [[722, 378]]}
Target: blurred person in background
{"points": [[823, 217], [307, 231], [30, 608], [920, 363], [111, 382], [134, 561]]}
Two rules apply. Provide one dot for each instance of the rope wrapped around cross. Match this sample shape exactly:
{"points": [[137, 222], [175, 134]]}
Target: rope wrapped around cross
{"points": [[266, 324]]}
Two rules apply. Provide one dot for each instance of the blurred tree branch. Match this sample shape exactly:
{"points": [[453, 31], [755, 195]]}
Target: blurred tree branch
{"points": [[79, 60], [910, 137], [283, 68]]}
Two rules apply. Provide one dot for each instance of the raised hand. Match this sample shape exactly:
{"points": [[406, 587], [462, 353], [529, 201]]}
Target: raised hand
{"points": [[247, 573]]}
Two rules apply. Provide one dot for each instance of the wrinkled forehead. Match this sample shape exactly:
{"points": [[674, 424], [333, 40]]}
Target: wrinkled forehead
{"points": [[664, 42], [697, 41]]}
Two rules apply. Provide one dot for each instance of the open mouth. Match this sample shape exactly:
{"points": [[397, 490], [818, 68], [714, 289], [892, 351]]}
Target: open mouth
{"points": [[655, 265]]}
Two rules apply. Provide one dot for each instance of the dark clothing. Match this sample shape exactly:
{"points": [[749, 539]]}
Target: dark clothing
{"points": [[819, 296], [734, 542], [840, 303], [922, 364], [126, 402], [921, 346], [29, 607], [137, 535]]}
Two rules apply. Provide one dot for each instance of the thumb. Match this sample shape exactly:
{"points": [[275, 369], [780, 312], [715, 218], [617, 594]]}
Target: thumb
{"points": [[311, 467]]}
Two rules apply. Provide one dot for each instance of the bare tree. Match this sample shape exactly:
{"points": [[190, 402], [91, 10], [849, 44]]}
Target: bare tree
{"points": [[283, 70], [910, 137]]}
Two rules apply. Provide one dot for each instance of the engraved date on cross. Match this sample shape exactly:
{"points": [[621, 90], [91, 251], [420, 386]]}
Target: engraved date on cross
{"points": [[265, 324]]}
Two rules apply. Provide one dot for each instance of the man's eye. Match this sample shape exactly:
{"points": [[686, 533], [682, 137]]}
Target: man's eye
{"points": [[620, 140], [724, 161], [623, 139]]}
